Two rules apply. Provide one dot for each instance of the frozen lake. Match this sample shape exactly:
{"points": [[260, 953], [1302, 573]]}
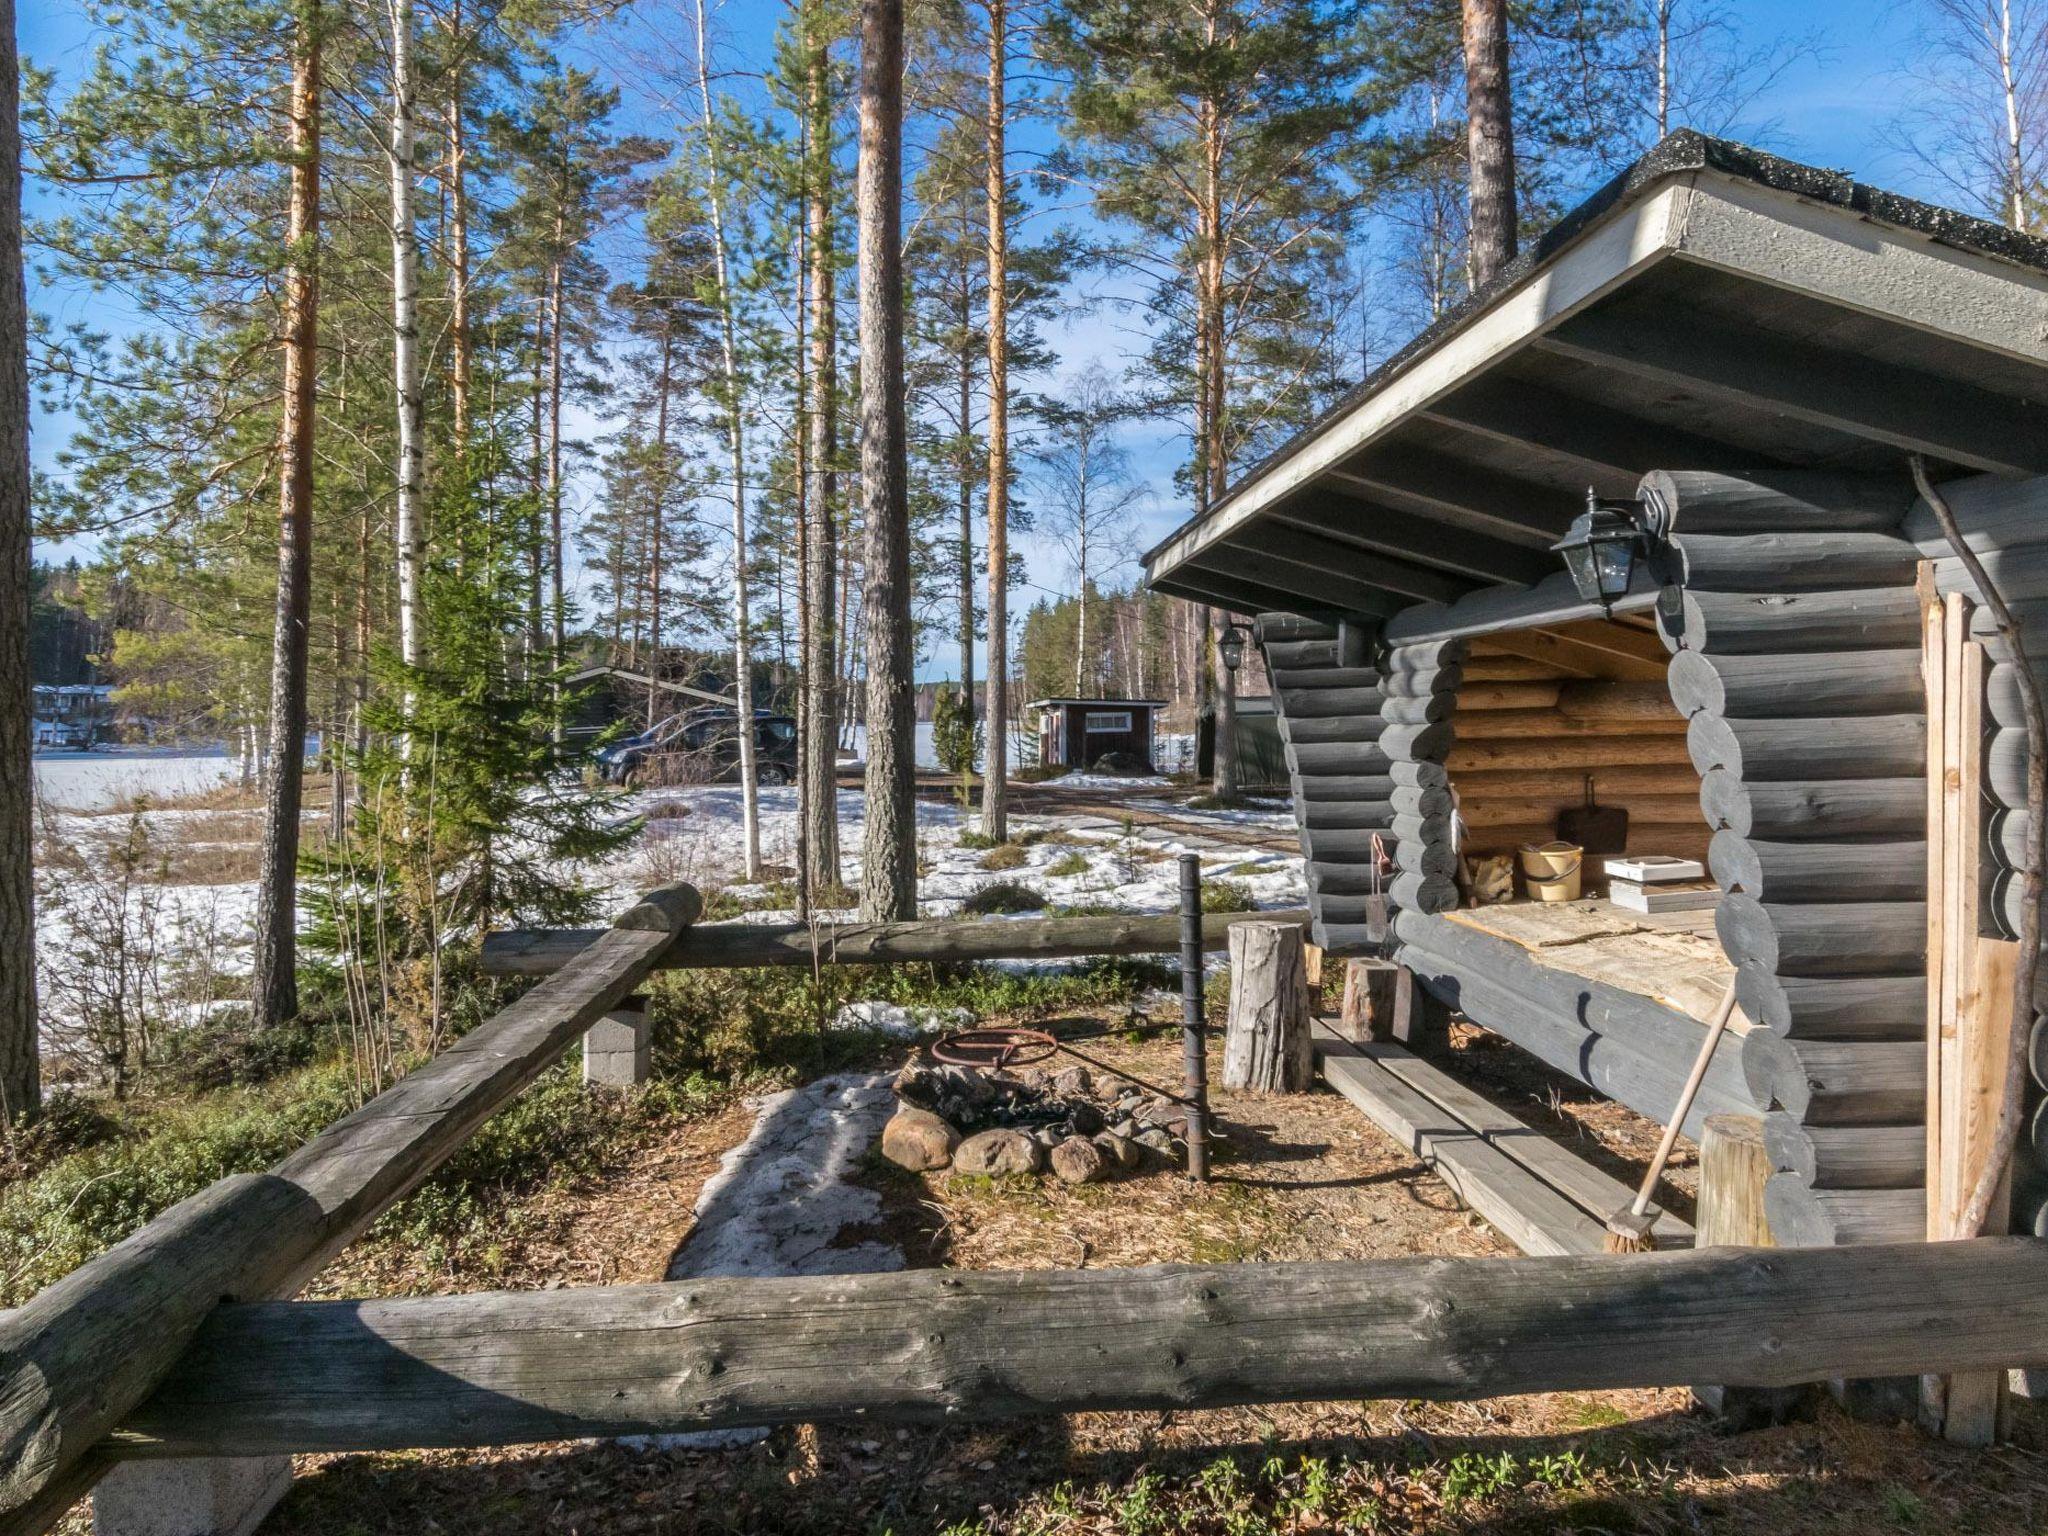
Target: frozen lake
{"points": [[91, 781]]}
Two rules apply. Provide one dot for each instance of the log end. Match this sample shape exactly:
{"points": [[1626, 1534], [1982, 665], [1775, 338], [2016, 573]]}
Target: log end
{"points": [[667, 909]]}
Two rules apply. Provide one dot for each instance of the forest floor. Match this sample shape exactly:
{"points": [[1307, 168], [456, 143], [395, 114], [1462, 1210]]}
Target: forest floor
{"points": [[570, 1190], [1299, 1177]]}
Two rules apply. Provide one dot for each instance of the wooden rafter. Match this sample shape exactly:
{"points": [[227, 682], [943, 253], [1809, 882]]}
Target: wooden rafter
{"points": [[1848, 392]]}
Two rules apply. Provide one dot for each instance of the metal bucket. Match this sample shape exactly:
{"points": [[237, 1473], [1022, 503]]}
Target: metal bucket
{"points": [[1550, 871]]}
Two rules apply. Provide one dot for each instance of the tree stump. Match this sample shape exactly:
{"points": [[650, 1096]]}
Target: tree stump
{"points": [[1733, 1168], [1368, 1009], [1266, 1042]]}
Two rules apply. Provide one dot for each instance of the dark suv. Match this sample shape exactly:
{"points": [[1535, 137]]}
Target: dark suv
{"points": [[702, 746]]}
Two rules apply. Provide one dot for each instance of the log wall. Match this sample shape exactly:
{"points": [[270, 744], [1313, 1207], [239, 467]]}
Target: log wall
{"points": [[2005, 522], [1529, 748], [1364, 731], [1794, 633], [1793, 708]]}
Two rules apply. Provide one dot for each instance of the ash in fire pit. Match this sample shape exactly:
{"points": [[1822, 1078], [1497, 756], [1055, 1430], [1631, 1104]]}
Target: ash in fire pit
{"points": [[1027, 1121]]}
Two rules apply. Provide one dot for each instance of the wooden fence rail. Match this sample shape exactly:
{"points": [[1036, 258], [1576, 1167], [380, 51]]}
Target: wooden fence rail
{"points": [[542, 951], [78, 1357], [512, 1367]]}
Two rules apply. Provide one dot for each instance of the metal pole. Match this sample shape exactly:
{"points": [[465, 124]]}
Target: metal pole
{"points": [[1193, 1034]]}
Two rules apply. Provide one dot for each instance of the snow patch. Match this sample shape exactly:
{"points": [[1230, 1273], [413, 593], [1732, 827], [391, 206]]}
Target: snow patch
{"points": [[900, 1022], [780, 1204]]}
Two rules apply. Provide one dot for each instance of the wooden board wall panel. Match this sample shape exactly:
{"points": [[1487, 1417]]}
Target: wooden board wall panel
{"points": [[1970, 986]]}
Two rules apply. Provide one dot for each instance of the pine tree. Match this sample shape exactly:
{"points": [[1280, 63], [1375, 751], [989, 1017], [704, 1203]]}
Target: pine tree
{"points": [[1490, 122], [274, 987], [20, 1071], [889, 845], [1221, 136]]}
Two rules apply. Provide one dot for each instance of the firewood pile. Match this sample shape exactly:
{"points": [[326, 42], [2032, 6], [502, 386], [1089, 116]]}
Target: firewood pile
{"points": [[1029, 1121]]}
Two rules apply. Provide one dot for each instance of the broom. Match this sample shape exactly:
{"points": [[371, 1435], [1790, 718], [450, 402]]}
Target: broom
{"points": [[1629, 1229]]}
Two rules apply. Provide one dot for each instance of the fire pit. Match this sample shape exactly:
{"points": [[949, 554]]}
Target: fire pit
{"points": [[993, 1115]]}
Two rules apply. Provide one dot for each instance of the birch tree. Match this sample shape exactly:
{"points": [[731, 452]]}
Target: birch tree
{"points": [[736, 452], [405, 328], [1090, 498], [1976, 105], [818, 796]]}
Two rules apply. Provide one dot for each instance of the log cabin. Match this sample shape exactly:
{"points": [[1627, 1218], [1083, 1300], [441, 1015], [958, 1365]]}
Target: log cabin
{"points": [[1732, 358]]}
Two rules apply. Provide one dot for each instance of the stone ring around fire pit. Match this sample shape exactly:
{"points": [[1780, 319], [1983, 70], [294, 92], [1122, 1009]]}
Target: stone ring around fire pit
{"points": [[988, 1121]]}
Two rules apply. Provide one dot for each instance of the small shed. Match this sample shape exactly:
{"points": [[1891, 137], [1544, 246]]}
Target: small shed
{"points": [[1078, 733], [1743, 359]]}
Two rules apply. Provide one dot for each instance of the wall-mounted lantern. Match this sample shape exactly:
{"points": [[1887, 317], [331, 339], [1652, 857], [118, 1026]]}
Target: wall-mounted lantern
{"points": [[1600, 549], [1231, 644]]}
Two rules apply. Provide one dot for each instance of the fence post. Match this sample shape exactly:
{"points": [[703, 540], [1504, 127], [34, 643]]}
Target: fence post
{"points": [[1733, 1168], [616, 1052], [1193, 1035], [228, 1496]]}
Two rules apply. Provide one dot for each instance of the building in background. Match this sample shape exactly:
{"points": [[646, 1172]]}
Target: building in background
{"points": [[1082, 733]]}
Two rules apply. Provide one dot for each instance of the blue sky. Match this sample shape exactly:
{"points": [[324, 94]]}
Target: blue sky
{"points": [[1831, 111]]}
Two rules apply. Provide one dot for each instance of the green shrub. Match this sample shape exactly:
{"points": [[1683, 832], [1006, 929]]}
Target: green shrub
{"points": [[1004, 896], [1227, 896], [85, 1203], [1075, 863]]}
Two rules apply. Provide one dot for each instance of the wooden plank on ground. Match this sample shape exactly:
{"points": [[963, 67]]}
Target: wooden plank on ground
{"points": [[1556, 1165], [1528, 1212]]}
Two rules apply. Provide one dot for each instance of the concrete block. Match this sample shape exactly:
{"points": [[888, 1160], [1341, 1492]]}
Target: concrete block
{"points": [[615, 1051], [199, 1497]]}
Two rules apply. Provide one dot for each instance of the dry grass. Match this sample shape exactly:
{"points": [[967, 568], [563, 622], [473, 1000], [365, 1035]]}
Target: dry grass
{"points": [[226, 796]]}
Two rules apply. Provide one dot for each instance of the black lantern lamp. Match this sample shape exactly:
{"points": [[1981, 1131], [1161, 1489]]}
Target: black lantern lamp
{"points": [[1600, 548], [1231, 644]]}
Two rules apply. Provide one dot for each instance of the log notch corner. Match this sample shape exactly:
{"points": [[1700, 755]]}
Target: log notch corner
{"points": [[1365, 729], [1795, 629]]}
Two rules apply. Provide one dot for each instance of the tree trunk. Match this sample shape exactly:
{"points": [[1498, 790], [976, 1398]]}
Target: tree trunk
{"points": [[1081, 602], [889, 847], [820, 797], [1266, 1045], [966, 463], [20, 1074], [274, 982], [1490, 127], [557, 613], [654, 527], [1224, 778], [458, 246], [2015, 139], [995, 821], [1663, 67], [538, 483], [736, 457], [405, 327]]}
